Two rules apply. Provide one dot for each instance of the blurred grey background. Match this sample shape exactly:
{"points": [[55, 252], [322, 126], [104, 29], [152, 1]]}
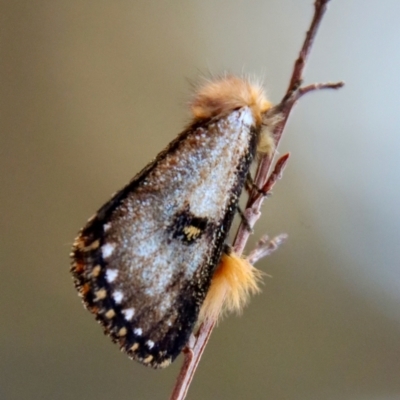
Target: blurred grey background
{"points": [[92, 90]]}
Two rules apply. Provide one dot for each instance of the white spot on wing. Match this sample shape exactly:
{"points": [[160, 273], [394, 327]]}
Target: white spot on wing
{"points": [[138, 331], [150, 344], [118, 296], [111, 275], [106, 227], [128, 313], [107, 249]]}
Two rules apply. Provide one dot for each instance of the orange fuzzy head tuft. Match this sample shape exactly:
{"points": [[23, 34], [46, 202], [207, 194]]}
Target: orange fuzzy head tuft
{"points": [[221, 96], [232, 284]]}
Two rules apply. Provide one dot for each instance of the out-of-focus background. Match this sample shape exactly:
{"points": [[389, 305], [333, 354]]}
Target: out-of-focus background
{"points": [[92, 90]]}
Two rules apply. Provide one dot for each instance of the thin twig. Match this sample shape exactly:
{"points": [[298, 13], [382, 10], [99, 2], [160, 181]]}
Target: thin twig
{"points": [[294, 92], [318, 86], [298, 70], [275, 175], [251, 214], [192, 357], [265, 247]]}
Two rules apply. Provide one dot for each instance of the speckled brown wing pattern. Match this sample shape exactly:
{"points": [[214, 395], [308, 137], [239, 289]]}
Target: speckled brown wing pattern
{"points": [[144, 262]]}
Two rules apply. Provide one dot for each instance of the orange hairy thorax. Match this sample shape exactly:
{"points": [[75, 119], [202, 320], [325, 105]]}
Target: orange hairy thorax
{"points": [[223, 95], [234, 280]]}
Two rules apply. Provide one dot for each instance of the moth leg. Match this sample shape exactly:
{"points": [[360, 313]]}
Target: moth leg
{"points": [[244, 219]]}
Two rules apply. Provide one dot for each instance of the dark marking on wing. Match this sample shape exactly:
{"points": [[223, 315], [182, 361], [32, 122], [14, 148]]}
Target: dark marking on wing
{"points": [[188, 228]]}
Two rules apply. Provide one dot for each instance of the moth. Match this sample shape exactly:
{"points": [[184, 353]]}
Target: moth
{"points": [[152, 263]]}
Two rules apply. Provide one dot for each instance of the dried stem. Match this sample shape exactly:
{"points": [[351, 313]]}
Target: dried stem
{"points": [[262, 180], [265, 247], [272, 179], [318, 86], [192, 359]]}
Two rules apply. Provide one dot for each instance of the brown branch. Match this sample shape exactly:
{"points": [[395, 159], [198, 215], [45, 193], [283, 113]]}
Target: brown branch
{"points": [[192, 357], [262, 180], [297, 75]]}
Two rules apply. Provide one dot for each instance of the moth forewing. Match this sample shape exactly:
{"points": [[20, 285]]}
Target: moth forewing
{"points": [[144, 263]]}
